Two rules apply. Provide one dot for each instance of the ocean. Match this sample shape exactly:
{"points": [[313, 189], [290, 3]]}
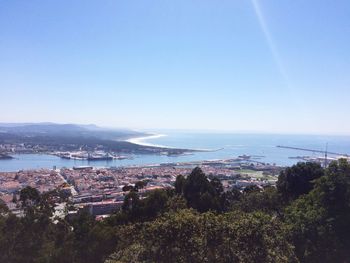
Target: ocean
{"points": [[221, 146]]}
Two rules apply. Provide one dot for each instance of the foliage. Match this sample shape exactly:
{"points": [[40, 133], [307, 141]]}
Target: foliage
{"points": [[267, 200], [319, 221], [200, 193], [305, 219], [188, 236], [298, 179]]}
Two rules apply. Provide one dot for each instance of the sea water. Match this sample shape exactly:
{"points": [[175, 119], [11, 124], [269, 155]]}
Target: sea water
{"points": [[215, 146]]}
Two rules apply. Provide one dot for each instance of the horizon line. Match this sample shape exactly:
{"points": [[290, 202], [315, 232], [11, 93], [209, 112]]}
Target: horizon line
{"points": [[190, 130]]}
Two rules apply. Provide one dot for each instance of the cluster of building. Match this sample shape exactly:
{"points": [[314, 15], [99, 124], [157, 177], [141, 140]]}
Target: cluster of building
{"points": [[101, 191], [9, 148], [44, 180]]}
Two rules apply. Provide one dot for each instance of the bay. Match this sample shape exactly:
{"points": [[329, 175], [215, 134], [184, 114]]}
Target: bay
{"points": [[221, 146]]}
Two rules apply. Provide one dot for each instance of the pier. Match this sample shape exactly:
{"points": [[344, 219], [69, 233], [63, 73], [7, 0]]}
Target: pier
{"points": [[311, 150]]}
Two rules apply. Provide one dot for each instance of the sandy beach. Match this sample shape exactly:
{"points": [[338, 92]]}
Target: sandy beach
{"points": [[142, 140]]}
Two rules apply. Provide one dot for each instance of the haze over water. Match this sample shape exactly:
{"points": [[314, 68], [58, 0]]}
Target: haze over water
{"points": [[224, 146]]}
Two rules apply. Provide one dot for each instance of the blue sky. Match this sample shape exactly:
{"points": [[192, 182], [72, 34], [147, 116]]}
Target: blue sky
{"points": [[239, 65]]}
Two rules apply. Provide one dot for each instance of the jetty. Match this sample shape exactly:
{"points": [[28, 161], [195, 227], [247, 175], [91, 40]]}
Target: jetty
{"points": [[312, 150]]}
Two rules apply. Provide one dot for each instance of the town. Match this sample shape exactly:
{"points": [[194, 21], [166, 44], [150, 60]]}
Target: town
{"points": [[101, 191]]}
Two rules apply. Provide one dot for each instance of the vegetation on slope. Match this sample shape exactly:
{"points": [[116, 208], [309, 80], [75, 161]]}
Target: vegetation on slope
{"points": [[304, 219]]}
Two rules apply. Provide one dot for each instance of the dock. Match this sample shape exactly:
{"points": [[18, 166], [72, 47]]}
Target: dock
{"points": [[312, 150]]}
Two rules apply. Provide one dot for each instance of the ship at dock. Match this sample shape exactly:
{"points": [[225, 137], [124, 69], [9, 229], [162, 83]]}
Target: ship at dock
{"points": [[99, 157], [94, 156]]}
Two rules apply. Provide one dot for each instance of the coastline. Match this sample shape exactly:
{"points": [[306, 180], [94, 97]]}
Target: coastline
{"points": [[141, 141]]}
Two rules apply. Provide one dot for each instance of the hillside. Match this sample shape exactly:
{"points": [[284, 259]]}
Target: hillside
{"points": [[304, 219], [50, 137]]}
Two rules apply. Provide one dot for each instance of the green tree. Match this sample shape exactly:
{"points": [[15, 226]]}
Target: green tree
{"points": [[229, 198], [175, 203], [180, 184], [267, 200], [140, 184], [29, 196], [154, 203], [298, 179], [131, 202], [3, 208], [319, 221], [200, 193], [188, 236], [127, 188]]}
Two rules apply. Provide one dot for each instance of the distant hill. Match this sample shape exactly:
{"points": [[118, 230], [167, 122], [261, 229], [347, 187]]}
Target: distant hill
{"points": [[67, 130], [51, 137]]}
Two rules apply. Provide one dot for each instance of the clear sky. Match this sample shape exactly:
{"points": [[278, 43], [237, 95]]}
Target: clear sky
{"points": [[238, 65]]}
